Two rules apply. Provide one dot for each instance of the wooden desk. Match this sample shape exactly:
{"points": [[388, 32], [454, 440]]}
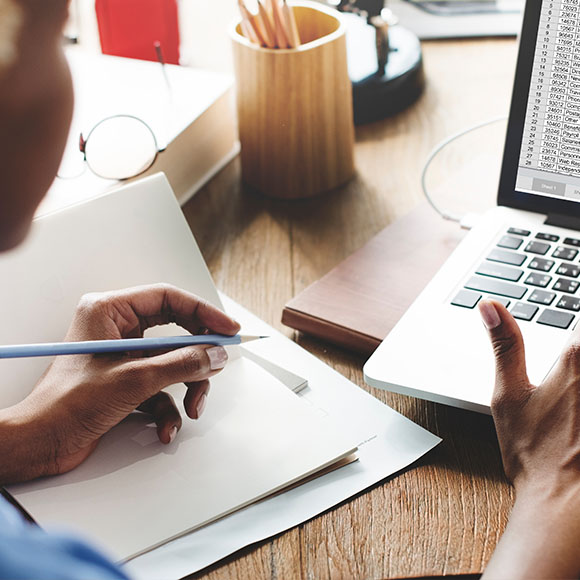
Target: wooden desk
{"points": [[445, 515]]}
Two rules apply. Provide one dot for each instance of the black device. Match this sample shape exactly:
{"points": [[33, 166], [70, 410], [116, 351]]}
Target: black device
{"points": [[385, 62], [541, 162]]}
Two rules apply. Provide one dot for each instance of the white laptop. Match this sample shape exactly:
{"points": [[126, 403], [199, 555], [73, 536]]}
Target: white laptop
{"points": [[525, 252]]}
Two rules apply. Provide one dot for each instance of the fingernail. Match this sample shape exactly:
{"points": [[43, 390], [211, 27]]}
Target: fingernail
{"points": [[217, 357], [489, 315], [172, 434], [201, 405]]}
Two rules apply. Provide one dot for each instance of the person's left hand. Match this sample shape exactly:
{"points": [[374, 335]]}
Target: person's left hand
{"points": [[81, 397], [539, 437]]}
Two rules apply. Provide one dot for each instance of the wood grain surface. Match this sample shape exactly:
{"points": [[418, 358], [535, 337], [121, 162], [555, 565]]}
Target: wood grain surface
{"points": [[445, 514]]}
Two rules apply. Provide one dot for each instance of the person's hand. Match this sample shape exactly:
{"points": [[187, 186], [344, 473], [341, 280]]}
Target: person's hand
{"points": [[82, 397], [538, 428]]}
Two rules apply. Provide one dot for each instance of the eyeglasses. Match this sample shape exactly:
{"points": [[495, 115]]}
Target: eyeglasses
{"points": [[118, 147]]}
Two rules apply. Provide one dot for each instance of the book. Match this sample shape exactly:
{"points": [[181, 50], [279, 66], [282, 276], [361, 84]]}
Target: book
{"points": [[430, 19], [134, 494], [357, 303], [190, 111]]}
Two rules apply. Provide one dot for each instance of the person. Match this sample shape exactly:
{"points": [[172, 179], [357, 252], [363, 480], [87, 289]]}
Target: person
{"points": [[538, 428], [79, 399]]}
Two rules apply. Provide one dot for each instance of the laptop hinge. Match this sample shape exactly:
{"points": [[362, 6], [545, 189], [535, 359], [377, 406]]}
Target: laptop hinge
{"points": [[563, 221]]}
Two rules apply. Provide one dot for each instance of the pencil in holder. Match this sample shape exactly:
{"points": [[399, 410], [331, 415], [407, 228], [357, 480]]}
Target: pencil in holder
{"points": [[294, 106]]}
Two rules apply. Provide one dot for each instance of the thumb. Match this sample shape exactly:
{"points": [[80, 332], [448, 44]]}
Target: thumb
{"points": [[511, 379]]}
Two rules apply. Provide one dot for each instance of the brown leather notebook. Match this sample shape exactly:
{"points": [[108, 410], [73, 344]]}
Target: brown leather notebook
{"points": [[358, 302]]}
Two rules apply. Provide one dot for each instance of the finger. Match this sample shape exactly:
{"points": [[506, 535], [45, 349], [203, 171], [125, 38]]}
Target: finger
{"points": [[195, 399], [511, 379], [184, 365], [146, 306], [165, 414], [161, 304]]}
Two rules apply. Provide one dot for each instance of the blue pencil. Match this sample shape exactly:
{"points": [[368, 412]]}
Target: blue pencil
{"points": [[120, 345]]}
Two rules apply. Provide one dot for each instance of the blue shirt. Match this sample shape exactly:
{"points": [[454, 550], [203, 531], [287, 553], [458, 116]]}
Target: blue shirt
{"points": [[27, 551]]}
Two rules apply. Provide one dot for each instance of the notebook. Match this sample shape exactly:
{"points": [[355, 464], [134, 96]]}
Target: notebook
{"points": [[524, 252], [359, 301], [256, 436]]}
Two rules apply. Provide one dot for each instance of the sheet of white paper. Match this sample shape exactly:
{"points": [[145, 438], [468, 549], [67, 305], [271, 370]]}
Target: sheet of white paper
{"points": [[388, 442], [135, 493]]}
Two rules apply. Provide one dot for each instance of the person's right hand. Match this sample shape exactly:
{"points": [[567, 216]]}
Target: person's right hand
{"points": [[538, 428], [81, 397]]}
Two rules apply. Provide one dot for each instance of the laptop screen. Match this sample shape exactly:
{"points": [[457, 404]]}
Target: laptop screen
{"points": [[544, 128]]}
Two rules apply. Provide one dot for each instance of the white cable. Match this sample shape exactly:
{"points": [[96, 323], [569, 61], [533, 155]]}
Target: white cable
{"points": [[443, 213]]}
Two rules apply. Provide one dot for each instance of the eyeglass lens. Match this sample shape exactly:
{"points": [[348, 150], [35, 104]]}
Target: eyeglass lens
{"points": [[120, 147]]}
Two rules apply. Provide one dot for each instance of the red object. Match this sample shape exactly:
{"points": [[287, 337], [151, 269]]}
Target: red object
{"points": [[131, 28]]}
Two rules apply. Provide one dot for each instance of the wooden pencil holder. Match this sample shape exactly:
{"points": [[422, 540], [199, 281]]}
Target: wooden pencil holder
{"points": [[295, 111]]}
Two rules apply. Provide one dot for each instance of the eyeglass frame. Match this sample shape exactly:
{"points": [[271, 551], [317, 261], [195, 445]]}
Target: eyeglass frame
{"points": [[83, 144]]}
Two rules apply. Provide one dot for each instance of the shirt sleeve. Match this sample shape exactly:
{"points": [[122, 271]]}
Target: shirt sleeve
{"points": [[27, 551]]}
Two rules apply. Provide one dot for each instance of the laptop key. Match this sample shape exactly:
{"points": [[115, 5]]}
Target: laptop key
{"points": [[569, 303], [542, 297], [565, 285], [499, 271], [571, 270], [541, 264], [555, 318], [493, 286], [536, 279], [572, 242], [466, 299], [503, 301], [510, 242], [524, 311], [519, 232], [537, 248], [506, 257], [547, 237], [565, 253]]}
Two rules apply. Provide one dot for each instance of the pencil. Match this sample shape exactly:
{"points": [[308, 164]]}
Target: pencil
{"points": [[265, 25], [120, 345], [280, 27], [293, 36], [270, 6], [159, 54], [249, 18], [248, 31]]}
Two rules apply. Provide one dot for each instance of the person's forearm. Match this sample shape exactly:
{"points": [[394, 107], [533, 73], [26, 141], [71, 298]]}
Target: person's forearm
{"points": [[541, 538], [23, 451]]}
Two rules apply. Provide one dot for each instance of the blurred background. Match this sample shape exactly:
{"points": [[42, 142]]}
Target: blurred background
{"points": [[203, 28]]}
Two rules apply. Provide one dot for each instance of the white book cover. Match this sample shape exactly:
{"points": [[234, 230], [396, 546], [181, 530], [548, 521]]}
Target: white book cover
{"points": [[190, 111]]}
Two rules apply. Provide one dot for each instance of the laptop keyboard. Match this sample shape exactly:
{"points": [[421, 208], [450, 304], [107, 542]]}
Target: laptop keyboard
{"points": [[535, 275]]}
